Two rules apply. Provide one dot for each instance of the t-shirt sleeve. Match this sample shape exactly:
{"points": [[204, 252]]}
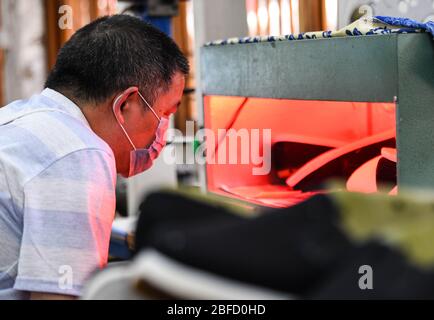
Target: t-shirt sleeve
{"points": [[68, 213]]}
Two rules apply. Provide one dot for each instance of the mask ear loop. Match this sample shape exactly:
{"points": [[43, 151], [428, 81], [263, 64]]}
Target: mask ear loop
{"points": [[122, 127], [155, 114]]}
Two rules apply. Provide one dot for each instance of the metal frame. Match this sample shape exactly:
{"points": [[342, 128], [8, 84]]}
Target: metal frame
{"points": [[378, 68]]}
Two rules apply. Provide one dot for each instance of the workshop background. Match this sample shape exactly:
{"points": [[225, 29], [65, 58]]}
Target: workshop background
{"points": [[30, 38]]}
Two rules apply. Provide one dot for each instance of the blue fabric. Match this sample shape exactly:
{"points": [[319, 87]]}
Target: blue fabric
{"points": [[409, 23], [164, 24]]}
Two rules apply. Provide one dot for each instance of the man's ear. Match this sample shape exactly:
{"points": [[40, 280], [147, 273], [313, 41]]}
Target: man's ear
{"points": [[119, 101]]}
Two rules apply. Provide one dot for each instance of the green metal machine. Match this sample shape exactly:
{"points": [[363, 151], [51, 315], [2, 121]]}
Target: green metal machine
{"points": [[378, 68]]}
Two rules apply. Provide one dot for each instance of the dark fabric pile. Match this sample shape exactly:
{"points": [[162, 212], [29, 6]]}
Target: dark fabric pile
{"points": [[303, 250]]}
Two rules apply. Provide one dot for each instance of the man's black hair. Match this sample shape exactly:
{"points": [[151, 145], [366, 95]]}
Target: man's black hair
{"points": [[113, 53]]}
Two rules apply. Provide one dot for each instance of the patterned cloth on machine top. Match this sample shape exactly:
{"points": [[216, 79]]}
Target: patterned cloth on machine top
{"points": [[365, 26]]}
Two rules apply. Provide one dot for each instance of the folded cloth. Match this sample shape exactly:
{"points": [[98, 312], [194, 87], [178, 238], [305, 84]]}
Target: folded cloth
{"points": [[407, 23], [392, 276], [169, 208], [311, 250], [365, 26], [152, 275], [287, 250]]}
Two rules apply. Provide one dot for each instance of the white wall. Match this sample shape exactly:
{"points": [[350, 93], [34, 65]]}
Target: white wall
{"points": [[214, 20], [23, 39]]}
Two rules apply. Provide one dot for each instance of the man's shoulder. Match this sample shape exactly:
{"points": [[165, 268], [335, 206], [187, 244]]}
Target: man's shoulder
{"points": [[35, 142], [62, 134]]}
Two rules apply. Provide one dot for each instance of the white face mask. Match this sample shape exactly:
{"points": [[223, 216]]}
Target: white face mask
{"points": [[142, 159]]}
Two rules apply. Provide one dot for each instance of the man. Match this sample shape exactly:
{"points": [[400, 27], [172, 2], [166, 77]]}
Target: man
{"points": [[104, 112]]}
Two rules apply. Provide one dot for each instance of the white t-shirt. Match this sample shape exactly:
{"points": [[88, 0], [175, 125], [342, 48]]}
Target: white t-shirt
{"points": [[57, 197]]}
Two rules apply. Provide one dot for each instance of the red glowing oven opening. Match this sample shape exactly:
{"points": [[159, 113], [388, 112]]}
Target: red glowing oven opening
{"points": [[276, 152]]}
